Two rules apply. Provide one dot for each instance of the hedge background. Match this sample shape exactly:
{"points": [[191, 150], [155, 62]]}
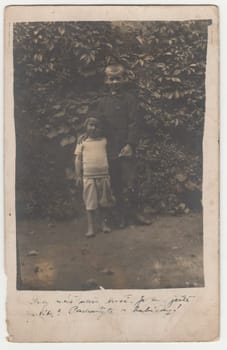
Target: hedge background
{"points": [[58, 80]]}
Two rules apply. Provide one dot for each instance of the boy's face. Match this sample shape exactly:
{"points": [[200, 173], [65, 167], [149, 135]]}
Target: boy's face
{"points": [[93, 128], [114, 81], [114, 76]]}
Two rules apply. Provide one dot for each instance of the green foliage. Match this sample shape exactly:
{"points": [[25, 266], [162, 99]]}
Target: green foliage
{"points": [[58, 79]]}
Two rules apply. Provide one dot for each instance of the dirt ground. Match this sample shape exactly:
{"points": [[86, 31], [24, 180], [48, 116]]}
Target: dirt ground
{"points": [[57, 255]]}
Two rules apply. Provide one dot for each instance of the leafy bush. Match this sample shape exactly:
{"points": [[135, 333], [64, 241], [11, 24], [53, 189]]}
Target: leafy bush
{"points": [[58, 80]]}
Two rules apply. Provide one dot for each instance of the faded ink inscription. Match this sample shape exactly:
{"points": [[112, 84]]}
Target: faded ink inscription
{"points": [[74, 305]]}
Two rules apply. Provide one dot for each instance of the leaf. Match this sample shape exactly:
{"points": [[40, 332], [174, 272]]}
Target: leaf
{"points": [[38, 57], [83, 57], [139, 39], [157, 95], [191, 186], [161, 65], [63, 130], [51, 66], [87, 60], [177, 72], [51, 134], [56, 106], [92, 57], [67, 141], [108, 59], [50, 46], [119, 42], [131, 74], [141, 62], [59, 114], [82, 109], [181, 177], [148, 58], [88, 73], [61, 30], [169, 95], [75, 119], [176, 80], [36, 32], [177, 94]]}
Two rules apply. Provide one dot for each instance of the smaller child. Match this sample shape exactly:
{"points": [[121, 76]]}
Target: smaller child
{"points": [[92, 170]]}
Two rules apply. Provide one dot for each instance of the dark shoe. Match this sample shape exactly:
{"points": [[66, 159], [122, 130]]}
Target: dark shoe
{"points": [[122, 223], [119, 220]]}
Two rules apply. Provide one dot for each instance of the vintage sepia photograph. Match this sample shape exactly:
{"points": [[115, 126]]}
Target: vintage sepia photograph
{"points": [[109, 120], [111, 173]]}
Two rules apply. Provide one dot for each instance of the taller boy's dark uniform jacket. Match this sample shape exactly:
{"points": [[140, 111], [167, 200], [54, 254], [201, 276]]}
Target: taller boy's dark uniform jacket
{"points": [[119, 112]]}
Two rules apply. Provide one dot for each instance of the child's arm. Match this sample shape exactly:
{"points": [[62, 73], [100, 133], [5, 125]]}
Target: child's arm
{"points": [[78, 169], [78, 162]]}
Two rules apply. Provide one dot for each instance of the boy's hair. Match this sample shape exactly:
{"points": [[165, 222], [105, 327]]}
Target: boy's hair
{"points": [[92, 119], [83, 136]]}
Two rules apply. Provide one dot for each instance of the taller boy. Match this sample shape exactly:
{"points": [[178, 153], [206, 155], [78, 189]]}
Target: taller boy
{"points": [[118, 109]]}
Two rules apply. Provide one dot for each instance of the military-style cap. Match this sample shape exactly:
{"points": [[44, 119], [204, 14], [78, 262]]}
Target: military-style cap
{"points": [[114, 70]]}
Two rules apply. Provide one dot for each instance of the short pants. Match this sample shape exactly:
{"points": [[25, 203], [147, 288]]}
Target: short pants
{"points": [[97, 193]]}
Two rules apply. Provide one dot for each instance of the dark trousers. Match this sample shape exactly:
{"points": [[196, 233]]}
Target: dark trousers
{"points": [[123, 182]]}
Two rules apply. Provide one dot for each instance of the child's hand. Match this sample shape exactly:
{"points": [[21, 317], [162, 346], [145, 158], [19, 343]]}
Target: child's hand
{"points": [[126, 151], [81, 138], [79, 181]]}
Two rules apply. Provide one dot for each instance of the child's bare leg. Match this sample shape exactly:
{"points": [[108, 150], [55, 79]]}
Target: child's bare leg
{"points": [[104, 215], [91, 223]]}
